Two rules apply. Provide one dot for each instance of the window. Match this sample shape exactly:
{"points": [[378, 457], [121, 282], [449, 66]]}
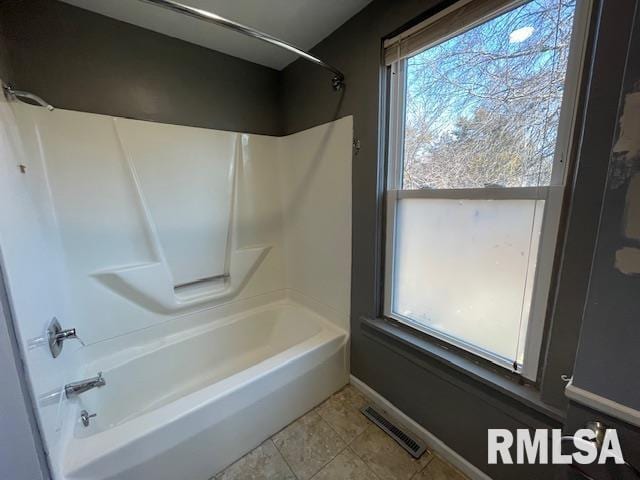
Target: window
{"points": [[481, 114]]}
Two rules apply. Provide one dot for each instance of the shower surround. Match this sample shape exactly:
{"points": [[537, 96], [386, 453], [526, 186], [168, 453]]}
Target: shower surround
{"points": [[207, 272]]}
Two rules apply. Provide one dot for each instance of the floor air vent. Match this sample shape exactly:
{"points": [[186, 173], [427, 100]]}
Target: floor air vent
{"points": [[412, 446]]}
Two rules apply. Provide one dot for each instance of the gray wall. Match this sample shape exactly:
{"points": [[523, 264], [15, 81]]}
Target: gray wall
{"points": [[5, 70], [587, 188], [80, 60], [451, 405], [608, 363]]}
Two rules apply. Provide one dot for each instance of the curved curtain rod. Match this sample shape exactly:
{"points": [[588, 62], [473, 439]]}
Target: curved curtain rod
{"points": [[10, 92], [338, 79]]}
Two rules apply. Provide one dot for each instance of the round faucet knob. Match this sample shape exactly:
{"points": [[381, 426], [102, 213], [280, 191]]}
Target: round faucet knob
{"points": [[86, 417]]}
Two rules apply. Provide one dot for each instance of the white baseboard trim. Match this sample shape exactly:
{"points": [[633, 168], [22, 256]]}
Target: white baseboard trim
{"points": [[433, 443]]}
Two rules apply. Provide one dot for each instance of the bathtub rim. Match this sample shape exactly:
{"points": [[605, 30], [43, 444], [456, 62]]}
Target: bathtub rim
{"points": [[140, 349]]}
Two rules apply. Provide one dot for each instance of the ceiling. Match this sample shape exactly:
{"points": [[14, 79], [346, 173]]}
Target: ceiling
{"points": [[303, 23]]}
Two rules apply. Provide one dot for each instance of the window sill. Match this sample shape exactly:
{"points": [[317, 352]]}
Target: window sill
{"points": [[381, 329]]}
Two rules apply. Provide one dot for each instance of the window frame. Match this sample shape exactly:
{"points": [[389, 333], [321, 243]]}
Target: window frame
{"points": [[553, 194]]}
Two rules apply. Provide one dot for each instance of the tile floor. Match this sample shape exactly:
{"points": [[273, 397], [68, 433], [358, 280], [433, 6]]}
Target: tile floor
{"points": [[334, 441]]}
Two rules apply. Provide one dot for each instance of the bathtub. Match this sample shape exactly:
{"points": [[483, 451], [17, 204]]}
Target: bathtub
{"points": [[186, 406]]}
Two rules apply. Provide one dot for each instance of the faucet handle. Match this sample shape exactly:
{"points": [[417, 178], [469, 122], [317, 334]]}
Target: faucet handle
{"points": [[68, 333], [56, 336], [86, 417]]}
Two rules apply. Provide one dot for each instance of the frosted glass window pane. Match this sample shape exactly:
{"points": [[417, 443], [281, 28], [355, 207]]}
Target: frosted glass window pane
{"points": [[465, 268]]}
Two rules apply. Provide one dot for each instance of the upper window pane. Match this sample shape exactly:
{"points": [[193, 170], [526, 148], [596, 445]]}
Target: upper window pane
{"points": [[482, 108]]}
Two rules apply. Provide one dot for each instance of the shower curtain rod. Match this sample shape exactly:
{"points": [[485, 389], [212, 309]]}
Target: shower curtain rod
{"points": [[9, 92], [338, 79]]}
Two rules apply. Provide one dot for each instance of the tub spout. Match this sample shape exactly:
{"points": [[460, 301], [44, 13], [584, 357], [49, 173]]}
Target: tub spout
{"points": [[74, 389]]}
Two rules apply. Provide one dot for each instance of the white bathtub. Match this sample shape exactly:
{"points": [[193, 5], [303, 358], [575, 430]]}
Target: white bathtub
{"points": [[189, 405]]}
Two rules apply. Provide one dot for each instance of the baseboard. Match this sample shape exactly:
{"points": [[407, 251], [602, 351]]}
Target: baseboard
{"points": [[434, 443]]}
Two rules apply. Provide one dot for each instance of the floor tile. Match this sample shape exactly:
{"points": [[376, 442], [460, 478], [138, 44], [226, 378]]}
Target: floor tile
{"points": [[262, 463], [308, 444], [385, 457], [346, 466], [438, 469], [342, 412]]}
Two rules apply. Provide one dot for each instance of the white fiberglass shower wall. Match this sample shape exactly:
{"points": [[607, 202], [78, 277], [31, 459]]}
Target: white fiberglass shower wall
{"points": [[146, 237]]}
